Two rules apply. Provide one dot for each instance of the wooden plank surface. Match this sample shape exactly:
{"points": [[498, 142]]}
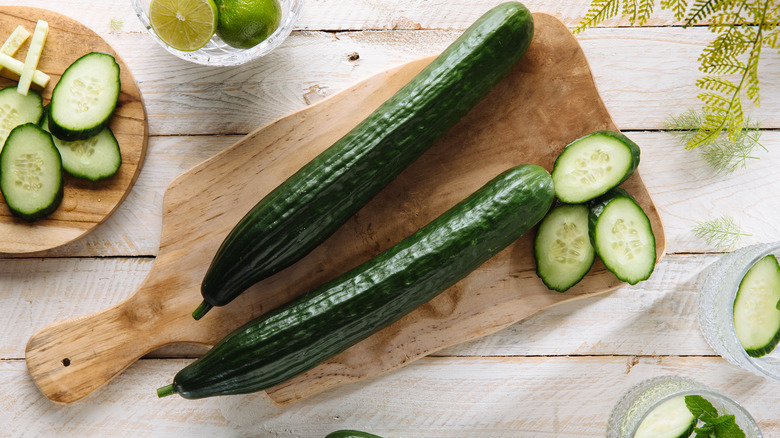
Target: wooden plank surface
{"points": [[556, 373], [438, 397]]}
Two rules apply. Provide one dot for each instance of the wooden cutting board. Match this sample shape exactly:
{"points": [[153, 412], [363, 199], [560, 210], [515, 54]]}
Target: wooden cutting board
{"points": [[85, 204], [548, 100]]}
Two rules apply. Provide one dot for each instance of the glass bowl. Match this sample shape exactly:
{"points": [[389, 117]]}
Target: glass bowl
{"points": [[642, 398], [718, 287], [216, 52]]}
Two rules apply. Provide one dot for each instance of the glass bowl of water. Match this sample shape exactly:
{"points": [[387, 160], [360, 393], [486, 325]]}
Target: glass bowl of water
{"points": [[218, 53]]}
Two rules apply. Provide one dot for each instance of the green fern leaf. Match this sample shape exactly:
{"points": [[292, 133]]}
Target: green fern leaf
{"points": [[637, 11], [700, 10], [599, 11], [678, 7]]}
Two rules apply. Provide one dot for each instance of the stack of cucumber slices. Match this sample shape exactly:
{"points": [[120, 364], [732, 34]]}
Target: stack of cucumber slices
{"points": [[72, 133], [594, 216]]}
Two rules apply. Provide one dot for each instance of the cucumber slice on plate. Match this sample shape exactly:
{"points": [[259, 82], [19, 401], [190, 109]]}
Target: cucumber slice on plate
{"points": [[562, 247], [670, 419], [84, 97], [31, 172], [591, 165], [622, 236], [94, 158], [17, 109], [756, 317]]}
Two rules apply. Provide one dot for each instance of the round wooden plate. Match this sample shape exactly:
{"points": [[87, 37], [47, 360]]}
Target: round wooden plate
{"points": [[85, 203]]}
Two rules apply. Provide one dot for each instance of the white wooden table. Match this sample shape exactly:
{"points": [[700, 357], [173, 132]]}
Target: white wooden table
{"points": [[555, 374]]}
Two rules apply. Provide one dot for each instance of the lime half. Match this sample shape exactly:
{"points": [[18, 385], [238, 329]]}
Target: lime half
{"points": [[184, 25]]}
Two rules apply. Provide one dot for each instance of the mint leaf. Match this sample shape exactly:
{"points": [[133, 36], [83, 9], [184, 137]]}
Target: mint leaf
{"points": [[724, 426], [728, 428], [704, 431], [701, 408], [722, 419]]}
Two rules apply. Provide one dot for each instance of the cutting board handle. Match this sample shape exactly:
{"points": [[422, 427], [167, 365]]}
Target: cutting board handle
{"points": [[69, 360]]}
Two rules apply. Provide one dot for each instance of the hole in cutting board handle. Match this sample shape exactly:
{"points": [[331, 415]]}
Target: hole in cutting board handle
{"points": [[65, 362]]}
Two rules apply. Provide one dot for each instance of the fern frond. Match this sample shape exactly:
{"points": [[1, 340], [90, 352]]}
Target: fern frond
{"points": [[599, 11], [637, 11], [773, 37], [723, 232], [716, 83], [678, 7], [700, 10]]}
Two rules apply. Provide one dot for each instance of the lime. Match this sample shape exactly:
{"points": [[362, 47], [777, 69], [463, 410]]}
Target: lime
{"points": [[185, 25], [247, 23]]}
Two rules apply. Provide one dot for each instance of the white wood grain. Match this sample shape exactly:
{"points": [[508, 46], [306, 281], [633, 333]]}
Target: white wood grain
{"points": [[434, 397]]}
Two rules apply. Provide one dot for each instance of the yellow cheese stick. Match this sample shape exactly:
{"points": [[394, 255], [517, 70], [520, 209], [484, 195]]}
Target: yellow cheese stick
{"points": [[33, 56], [39, 78], [12, 44]]}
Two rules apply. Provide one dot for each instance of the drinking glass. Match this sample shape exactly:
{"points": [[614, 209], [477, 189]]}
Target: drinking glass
{"points": [[718, 287], [636, 403]]}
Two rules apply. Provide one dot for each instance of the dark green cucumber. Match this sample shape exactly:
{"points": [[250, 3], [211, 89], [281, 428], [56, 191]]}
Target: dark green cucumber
{"points": [[592, 165], [309, 206], [351, 434], [622, 236], [323, 322]]}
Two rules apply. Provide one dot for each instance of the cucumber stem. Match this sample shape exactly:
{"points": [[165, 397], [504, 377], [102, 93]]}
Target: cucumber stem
{"points": [[201, 310], [165, 391]]}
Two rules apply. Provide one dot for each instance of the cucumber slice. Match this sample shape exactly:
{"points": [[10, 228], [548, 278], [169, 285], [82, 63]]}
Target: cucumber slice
{"points": [[591, 165], [622, 236], [562, 247], [84, 97], [17, 109], [94, 158], [670, 419], [31, 172], [756, 317]]}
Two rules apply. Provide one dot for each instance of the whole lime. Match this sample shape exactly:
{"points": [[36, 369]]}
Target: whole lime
{"points": [[246, 23]]}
